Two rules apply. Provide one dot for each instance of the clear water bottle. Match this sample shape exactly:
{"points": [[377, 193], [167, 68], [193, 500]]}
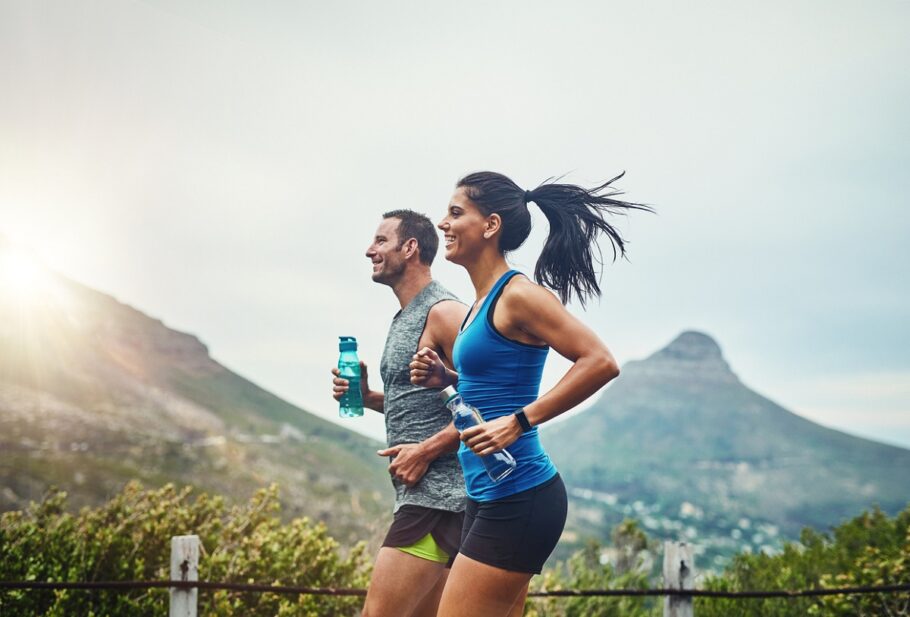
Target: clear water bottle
{"points": [[351, 403], [499, 464]]}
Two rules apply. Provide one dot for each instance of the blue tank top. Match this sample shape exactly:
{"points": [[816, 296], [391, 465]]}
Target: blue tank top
{"points": [[498, 376]]}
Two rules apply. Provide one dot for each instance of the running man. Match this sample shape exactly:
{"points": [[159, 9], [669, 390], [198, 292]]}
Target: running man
{"points": [[412, 566]]}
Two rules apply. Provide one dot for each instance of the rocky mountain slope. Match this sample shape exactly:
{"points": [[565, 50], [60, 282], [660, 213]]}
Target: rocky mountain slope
{"points": [[93, 392], [681, 444]]}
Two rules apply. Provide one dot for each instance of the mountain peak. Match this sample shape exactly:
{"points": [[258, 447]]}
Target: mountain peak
{"points": [[691, 355], [692, 345]]}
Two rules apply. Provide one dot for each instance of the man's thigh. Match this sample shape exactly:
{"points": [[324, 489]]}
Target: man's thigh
{"points": [[429, 606], [400, 581]]}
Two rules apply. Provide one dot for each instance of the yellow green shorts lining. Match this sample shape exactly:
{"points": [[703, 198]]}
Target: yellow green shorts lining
{"points": [[426, 548]]}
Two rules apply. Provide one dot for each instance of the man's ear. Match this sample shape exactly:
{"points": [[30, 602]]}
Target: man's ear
{"points": [[492, 226], [411, 248]]}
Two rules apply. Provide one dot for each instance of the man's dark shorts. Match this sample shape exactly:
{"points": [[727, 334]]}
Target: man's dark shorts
{"points": [[412, 523]]}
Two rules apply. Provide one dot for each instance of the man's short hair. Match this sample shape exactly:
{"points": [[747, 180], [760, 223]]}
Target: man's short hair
{"points": [[418, 226]]}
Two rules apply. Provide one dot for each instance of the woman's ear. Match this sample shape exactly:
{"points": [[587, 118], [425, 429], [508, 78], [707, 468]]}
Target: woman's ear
{"points": [[492, 226]]}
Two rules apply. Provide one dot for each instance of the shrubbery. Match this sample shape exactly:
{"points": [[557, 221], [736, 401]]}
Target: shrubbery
{"points": [[587, 569], [870, 550], [584, 570], [129, 539]]}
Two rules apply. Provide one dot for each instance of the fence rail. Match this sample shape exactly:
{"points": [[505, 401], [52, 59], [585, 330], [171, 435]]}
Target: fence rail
{"points": [[678, 575], [331, 591]]}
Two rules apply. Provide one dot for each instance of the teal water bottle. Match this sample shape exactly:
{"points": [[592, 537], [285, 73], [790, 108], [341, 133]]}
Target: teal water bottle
{"points": [[351, 403]]}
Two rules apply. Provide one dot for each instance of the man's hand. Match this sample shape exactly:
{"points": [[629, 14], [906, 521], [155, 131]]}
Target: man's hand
{"points": [[427, 369], [492, 436], [340, 385], [410, 462]]}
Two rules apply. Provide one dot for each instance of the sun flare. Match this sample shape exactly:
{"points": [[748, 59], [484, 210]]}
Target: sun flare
{"points": [[21, 274], [26, 283]]}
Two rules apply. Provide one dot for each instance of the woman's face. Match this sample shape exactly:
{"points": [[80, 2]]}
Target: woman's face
{"points": [[463, 229]]}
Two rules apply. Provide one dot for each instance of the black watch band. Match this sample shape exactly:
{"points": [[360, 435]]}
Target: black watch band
{"points": [[523, 420]]}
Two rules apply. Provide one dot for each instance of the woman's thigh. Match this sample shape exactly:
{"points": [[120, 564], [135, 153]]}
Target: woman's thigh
{"points": [[475, 589]]}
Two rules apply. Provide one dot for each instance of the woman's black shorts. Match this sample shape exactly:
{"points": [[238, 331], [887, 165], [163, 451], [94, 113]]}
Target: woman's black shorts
{"points": [[517, 532]]}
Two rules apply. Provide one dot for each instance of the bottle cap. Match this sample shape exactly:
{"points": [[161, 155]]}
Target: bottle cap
{"points": [[347, 343], [447, 393]]}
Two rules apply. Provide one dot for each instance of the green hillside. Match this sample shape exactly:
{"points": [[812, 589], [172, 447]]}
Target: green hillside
{"points": [[679, 443], [94, 393]]}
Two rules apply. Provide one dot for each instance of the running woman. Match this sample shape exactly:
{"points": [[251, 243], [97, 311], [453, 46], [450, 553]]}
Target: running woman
{"points": [[511, 527]]}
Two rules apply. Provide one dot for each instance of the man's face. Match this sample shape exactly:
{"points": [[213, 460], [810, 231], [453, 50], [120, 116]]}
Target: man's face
{"points": [[386, 254]]}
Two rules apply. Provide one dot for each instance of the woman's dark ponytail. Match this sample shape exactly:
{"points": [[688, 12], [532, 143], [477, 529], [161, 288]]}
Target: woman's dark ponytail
{"points": [[576, 216]]}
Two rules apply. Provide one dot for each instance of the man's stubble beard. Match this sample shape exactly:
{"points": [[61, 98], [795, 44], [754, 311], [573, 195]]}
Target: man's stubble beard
{"points": [[390, 278]]}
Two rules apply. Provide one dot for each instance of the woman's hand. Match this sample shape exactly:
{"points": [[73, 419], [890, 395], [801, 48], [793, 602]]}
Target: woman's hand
{"points": [[427, 370], [492, 436]]}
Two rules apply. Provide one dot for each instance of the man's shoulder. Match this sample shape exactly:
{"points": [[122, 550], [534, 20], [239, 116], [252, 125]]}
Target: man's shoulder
{"points": [[446, 312], [440, 292]]}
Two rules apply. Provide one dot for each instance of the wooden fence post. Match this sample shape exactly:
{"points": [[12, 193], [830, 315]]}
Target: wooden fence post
{"points": [[184, 567], [679, 573]]}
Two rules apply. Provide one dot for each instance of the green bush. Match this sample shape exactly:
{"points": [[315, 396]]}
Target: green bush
{"points": [[128, 538], [584, 570], [877, 552], [868, 550]]}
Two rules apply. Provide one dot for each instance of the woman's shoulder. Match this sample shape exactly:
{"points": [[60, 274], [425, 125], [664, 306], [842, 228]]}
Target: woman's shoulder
{"points": [[523, 293], [525, 305]]}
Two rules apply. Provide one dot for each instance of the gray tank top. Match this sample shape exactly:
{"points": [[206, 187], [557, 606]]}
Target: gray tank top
{"points": [[414, 413]]}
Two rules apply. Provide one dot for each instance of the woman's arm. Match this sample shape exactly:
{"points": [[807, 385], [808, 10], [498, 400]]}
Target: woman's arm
{"points": [[530, 309]]}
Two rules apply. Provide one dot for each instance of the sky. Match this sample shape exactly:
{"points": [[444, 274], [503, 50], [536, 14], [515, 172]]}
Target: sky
{"points": [[223, 165]]}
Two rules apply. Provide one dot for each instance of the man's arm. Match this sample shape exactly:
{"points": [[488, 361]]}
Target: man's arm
{"points": [[432, 365], [412, 460], [443, 322], [374, 400], [371, 399]]}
